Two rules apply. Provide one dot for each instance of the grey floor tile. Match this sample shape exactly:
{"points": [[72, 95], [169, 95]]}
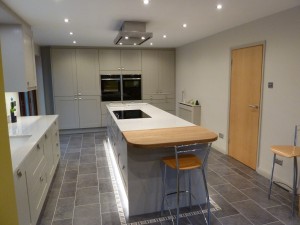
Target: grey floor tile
{"points": [[238, 181], [226, 208], [73, 150], [72, 165], [44, 221], [62, 222], [109, 207], [102, 162], [48, 211], [72, 155], [211, 190], [275, 223], [284, 214], [230, 193], [64, 209], [68, 190], [70, 176], [221, 169], [107, 197], [87, 145], [100, 154], [235, 220], [87, 168], [87, 196], [100, 147], [103, 173], [105, 185], [87, 180], [215, 179], [199, 219], [88, 151], [261, 197], [111, 218], [238, 171], [98, 141], [87, 215], [254, 212], [88, 159]]}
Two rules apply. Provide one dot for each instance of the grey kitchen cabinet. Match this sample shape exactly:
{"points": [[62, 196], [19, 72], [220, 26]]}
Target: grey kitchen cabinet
{"points": [[34, 175], [158, 75], [18, 58], [78, 112], [76, 87], [188, 112], [119, 60]]}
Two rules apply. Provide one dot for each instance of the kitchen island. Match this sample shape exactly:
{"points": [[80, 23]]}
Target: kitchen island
{"points": [[139, 135]]}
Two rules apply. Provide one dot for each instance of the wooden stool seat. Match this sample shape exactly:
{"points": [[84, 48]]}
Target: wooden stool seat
{"points": [[288, 151], [185, 162]]}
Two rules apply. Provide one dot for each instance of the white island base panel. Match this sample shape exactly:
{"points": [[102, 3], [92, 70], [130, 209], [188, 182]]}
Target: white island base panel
{"points": [[141, 191]]}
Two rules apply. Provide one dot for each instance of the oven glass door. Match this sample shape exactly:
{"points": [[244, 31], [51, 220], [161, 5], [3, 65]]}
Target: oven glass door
{"points": [[132, 87], [110, 87]]}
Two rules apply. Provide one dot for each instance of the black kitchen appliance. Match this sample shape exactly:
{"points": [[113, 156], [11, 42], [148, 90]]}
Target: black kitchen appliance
{"points": [[111, 87], [132, 86], [130, 114]]}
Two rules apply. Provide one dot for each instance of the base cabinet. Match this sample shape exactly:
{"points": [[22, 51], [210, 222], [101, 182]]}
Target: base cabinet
{"points": [[191, 113], [33, 177]]}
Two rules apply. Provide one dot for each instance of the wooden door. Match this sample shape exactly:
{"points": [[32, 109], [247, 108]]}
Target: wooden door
{"points": [[245, 94]]}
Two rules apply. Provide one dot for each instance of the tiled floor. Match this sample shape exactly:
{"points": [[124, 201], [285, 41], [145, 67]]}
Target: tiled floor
{"points": [[82, 192]]}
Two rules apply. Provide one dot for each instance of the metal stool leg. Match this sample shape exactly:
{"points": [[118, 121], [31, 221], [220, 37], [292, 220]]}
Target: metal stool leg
{"points": [[207, 196], [178, 200], [190, 190], [163, 189], [294, 184], [271, 181]]}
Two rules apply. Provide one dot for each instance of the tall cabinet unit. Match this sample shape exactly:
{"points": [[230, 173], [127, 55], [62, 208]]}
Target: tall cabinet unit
{"points": [[75, 75], [17, 49], [158, 69]]}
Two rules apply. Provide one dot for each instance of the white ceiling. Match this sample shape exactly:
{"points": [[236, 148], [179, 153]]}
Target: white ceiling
{"points": [[96, 22]]}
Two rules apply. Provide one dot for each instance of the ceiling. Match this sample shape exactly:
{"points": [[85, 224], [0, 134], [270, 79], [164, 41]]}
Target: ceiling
{"points": [[96, 22]]}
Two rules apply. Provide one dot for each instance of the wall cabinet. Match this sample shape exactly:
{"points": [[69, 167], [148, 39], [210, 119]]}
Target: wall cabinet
{"points": [[117, 60], [33, 177], [76, 87], [18, 58]]}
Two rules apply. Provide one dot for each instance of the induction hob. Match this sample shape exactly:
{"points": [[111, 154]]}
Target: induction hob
{"points": [[130, 114]]}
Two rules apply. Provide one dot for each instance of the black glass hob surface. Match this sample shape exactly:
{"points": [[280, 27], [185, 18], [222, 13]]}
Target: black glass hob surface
{"points": [[130, 114]]}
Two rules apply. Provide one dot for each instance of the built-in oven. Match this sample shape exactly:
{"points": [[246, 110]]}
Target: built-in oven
{"points": [[111, 88], [132, 87]]}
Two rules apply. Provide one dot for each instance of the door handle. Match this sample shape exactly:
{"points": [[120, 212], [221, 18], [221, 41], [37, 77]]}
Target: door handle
{"points": [[253, 106]]}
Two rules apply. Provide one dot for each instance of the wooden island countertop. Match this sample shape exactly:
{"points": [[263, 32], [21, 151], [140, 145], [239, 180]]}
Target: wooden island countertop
{"points": [[169, 137]]}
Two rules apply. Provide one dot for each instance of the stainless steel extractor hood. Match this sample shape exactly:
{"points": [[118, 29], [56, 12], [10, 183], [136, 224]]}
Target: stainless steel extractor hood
{"points": [[132, 33]]}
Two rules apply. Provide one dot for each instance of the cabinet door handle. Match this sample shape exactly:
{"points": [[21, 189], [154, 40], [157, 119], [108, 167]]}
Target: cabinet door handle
{"points": [[119, 68], [79, 93], [19, 173], [57, 144], [123, 167], [123, 68], [79, 98], [55, 133], [75, 98], [57, 155], [46, 136], [38, 146], [41, 179]]}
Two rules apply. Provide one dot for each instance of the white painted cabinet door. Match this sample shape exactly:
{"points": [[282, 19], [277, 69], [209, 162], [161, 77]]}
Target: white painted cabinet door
{"points": [[48, 153], [63, 66], [30, 71], [149, 72], [67, 109], [131, 60], [109, 59], [22, 196], [89, 111], [87, 72], [166, 72]]}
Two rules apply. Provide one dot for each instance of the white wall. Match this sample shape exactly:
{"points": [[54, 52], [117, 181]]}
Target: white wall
{"points": [[203, 71]]}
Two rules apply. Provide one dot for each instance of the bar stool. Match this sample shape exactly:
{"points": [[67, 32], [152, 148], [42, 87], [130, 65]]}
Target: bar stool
{"points": [[183, 161], [289, 151]]}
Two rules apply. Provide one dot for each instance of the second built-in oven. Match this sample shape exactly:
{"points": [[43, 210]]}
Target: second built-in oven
{"points": [[132, 86], [111, 89]]}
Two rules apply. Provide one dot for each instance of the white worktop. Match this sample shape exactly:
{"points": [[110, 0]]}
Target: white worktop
{"points": [[159, 118], [24, 135]]}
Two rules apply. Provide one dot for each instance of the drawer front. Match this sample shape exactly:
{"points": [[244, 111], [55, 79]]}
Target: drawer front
{"points": [[38, 193], [35, 162]]}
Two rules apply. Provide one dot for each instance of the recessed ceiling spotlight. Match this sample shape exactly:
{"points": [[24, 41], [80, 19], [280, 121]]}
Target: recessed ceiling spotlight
{"points": [[71, 33], [74, 42], [143, 38], [165, 36], [66, 20], [146, 2], [134, 43], [219, 6], [121, 43], [184, 25], [126, 37], [151, 43]]}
